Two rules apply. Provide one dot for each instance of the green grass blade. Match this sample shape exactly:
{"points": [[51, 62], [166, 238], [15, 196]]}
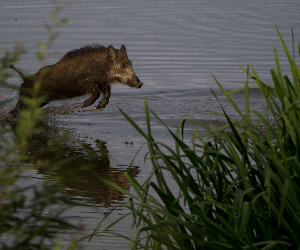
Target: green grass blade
{"points": [[225, 93]]}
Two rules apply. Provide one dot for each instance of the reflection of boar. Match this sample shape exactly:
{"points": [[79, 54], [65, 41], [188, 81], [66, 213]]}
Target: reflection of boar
{"points": [[90, 69], [79, 168]]}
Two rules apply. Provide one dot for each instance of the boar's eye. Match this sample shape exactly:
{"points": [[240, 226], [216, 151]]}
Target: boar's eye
{"points": [[123, 65]]}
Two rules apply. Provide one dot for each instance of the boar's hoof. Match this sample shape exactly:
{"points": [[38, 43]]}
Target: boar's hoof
{"points": [[101, 106]]}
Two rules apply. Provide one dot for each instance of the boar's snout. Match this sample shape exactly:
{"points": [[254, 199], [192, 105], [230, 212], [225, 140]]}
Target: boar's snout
{"points": [[135, 82], [140, 85]]}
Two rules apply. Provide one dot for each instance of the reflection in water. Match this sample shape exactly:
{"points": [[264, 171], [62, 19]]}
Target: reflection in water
{"points": [[78, 166]]}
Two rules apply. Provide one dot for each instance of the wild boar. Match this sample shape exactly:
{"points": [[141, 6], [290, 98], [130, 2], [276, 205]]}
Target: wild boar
{"points": [[90, 69]]}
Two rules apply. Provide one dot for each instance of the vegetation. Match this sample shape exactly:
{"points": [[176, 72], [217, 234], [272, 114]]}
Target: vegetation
{"points": [[238, 190], [31, 215]]}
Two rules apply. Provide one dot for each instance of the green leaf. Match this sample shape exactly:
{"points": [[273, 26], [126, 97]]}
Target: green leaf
{"points": [[39, 55], [63, 21], [42, 45]]}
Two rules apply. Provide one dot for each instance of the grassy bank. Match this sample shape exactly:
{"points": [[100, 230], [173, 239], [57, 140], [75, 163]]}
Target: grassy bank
{"points": [[238, 190]]}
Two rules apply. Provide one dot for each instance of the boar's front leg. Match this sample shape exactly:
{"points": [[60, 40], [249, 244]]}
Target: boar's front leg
{"points": [[106, 94], [95, 95]]}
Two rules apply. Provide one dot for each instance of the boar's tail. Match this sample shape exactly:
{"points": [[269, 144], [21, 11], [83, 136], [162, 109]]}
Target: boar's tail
{"points": [[18, 71]]}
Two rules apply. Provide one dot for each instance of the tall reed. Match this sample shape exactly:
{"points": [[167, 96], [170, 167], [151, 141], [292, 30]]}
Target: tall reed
{"points": [[238, 190]]}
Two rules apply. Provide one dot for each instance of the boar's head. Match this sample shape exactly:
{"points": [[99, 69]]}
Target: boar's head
{"points": [[121, 70]]}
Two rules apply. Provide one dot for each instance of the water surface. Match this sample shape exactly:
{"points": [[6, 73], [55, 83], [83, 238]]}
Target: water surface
{"points": [[175, 48]]}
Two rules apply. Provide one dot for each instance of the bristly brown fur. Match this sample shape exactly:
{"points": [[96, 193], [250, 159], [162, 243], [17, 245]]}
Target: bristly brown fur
{"points": [[84, 50], [90, 69]]}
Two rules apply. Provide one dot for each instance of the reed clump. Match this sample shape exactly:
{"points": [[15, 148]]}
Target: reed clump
{"points": [[237, 190]]}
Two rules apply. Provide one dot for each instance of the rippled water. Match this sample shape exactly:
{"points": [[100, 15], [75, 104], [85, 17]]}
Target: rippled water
{"points": [[175, 47]]}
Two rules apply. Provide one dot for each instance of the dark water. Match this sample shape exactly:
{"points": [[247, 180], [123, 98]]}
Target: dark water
{"points": [[175, 47]]}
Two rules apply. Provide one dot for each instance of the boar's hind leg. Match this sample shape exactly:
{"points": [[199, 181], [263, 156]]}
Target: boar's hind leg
{"points": [[95, 95], [106, 94], [16, 110], [44, 103]]}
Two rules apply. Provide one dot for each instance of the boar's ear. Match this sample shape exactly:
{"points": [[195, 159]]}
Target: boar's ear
{"points": [[123, 49], [111, 52]]}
